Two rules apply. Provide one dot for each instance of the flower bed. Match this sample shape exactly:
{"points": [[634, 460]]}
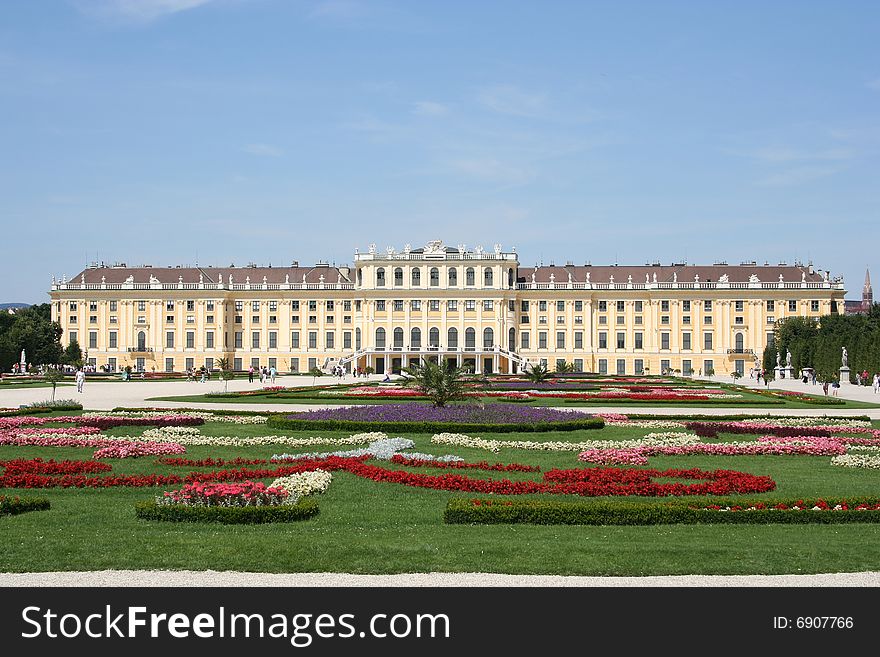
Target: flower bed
{"points": [[304, 483], [194, 437], [13, 506], [135, 450], [560, 512], [712, 429], [245, 493], [857, 461], [424, 418], [654, 439], [401, 459], [227, 515]]}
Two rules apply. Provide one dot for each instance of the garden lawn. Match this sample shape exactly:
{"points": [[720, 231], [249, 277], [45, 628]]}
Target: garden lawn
{"points": [[369, 527]]}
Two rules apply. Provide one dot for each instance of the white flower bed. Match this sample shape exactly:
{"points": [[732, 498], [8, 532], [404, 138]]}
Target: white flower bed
{"points": [[192, 436], [646, 424], [807, 422], [857, 461], [382, 449], [205, 415], [304, 483], [669, 439]]}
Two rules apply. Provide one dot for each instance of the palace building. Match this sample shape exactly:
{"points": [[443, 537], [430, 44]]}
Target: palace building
{"points": [[479, 309]]}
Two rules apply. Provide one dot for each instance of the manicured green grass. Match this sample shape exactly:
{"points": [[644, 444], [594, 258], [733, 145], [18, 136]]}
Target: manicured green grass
{"points": [[369, 527]]}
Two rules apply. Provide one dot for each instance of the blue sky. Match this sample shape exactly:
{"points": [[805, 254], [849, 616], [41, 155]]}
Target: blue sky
{"points": [[221, 131]]}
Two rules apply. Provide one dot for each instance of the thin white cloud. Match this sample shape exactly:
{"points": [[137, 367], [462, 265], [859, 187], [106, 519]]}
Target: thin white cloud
{"points": [[430, 108], [136, 11], [263, 150], [797, 176], [509, 99]]}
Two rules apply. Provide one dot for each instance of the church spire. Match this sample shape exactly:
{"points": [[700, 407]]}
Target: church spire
{"points": [[867, 292]]}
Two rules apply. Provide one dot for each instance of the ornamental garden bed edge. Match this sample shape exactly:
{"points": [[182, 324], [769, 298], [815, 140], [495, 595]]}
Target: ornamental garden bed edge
{"points": [[227, 515], [280, 421]]}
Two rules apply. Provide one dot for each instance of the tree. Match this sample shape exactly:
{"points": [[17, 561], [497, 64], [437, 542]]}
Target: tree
{"points": [[72, 355], [439, 384], [53, 376], [226, 372], [33, 330], [735, 375], [315, 372], [537, 373]]}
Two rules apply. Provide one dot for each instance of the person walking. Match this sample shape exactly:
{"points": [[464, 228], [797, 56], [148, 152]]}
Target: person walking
{"points": [[80, 380], [272, 373], [876, 383], [204, 376], [251, 374], [825, 388]]}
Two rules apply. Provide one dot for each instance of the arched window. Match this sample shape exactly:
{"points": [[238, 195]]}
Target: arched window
{"points": [[380, 338], [380, 277], [415, 338], [487, 277], [452, 338], [739, 342], [416, 277], [398, 338], [511, 339], [357, 339], [470, 339], [398, 277], [453, 277], [469, 276], [510, 277], [488, 338], [142, 341], [434, 337], [435, 277]]}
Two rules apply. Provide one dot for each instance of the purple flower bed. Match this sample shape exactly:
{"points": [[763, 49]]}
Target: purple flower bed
{"points": [[463, 413], [425, 418], [547, 385]]}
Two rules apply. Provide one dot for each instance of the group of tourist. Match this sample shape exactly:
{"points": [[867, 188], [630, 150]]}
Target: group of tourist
{"points": [[267, 374], [201, 373]]}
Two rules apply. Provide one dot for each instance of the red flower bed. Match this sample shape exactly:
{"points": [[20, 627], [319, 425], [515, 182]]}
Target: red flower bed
{"points": [[712, 429], [51, 467], [618, 481], [482, 465], [209, 462]]}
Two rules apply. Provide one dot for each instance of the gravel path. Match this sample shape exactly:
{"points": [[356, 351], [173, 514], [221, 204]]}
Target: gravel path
{"points": [[150, 578]]}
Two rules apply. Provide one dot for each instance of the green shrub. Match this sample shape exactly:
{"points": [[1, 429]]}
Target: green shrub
{"points": [[279, 421], [12, 506], [552, 512], [227, 515]]}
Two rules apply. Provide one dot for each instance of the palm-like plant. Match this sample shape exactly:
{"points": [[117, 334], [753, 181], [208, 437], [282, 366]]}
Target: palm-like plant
{"points": [[538, 373], [564, 368], [226, 372], [439, 383]]}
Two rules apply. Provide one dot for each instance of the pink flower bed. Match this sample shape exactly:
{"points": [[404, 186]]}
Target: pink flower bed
{"points": [[126, 450]]}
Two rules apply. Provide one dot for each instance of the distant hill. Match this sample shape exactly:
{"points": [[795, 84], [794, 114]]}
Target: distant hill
{"points": [[7, 306]]}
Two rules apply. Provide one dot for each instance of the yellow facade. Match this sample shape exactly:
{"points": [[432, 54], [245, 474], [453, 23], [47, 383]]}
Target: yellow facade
{"points": [[479, 309]]}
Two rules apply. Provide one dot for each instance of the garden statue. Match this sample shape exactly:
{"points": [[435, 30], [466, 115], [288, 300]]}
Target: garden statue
{"points": [[788, 358], [843, 358], [778, 359]]}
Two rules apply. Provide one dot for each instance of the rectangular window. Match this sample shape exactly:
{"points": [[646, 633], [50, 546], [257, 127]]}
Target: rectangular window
{"points": [[255, 306], [330, 340], [560, 319], [637, 306], [313, 339], [255, 363], [638, 320], [255, 340], [603, 366], [685, 340], [169, 319], [560, 363], [686, 306], [434, 305], [398, 305], [142, 306], [708, 367], [814, 306], [685, 319], [603, 306], [603, 340], [578, 339], [380, 305], [638, 366], [771, 339], [169, 305], [639, 340], [542, 306], [792, 306], [329, 305], [189, 363], [452, 305], [620, 306], [542, 339], [621, 320], [209, 306], [190, 306], [93, 306], [313, 306], [294, 319], [621, 366], [239, 339], [523, 319], [114, 339], [169, 340], [664, 366], [738, 306], [273, 339], [294, 339], [470, 304], [273, 363], [707, 319], [255, 319], [93, 319], [578, 306], [346, 339], [686, 367], [346, 306], [487, 304], [239, 306], [209, 364], [313, 363], [294, 364], [603, 319], [707, 340], [111, 364], [707, 306], [209, 340], [771, 319], [169, 364], [415, 304], [524, 340], [771, 305], [190, 340], [664, 340], [739, 320], [190, 319], [209, 319], [621, 340], [236, 364], [72, 306], [560, 306], [294, 305], [560, 339], [578, 319], [664, 306], [523, 306], [112, 306], [93, 339], [664, 319]]}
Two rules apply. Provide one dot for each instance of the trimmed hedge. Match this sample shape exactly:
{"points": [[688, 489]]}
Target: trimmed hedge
{"points": [[37, 410], [12, 506], [227, 515], [683, 402], [280, 421], [172, 411], [550, 512], [708, 418]]}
